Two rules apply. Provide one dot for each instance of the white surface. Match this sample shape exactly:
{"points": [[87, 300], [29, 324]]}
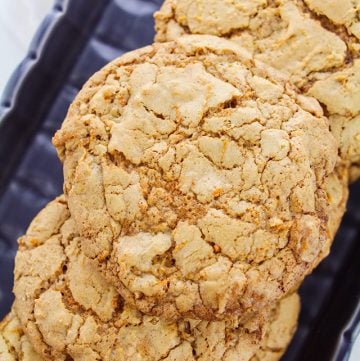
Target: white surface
{"points": [[19, 20], [355, 354]]}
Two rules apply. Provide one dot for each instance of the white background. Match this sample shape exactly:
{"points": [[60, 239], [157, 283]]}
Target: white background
{"points": [[19, 20]]}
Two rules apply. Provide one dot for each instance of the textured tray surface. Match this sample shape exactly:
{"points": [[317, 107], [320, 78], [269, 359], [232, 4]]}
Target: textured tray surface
{"points": [[77, 38]]}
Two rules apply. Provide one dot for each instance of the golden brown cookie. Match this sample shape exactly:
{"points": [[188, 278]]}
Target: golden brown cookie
{"points": [[316, 42], [338, 191], [280, 331], [198, 178], [14, 345], [69, 311]]}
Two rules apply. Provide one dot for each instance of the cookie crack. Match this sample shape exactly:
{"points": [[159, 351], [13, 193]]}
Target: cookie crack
{"points": [[169, 351], [9, 346], [340, 30]]}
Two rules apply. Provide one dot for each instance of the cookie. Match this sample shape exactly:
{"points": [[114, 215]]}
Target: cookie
{"points": [[338, 193], [197, 177], [317, 43], [69, 311], [14, 345], [280, 331]]}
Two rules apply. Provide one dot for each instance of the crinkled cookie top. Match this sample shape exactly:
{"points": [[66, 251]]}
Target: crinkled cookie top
{"points": [[316, 42], [14, 344], [197, 177], [280, 331], [69, 312]]}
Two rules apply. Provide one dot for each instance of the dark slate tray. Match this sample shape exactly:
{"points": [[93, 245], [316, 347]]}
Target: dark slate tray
{"points": [[77, 38]]}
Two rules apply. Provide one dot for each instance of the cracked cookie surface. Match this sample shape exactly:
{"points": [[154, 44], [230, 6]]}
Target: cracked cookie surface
{"points": [[14, 344], [316, 42], [69, 312], [280, 331], [198, 179]]}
